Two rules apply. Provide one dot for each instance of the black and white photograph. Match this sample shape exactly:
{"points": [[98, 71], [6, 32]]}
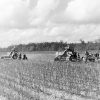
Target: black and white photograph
{"points": [[49, 49]]}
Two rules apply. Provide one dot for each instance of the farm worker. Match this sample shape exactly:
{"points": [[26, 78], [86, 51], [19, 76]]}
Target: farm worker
{"points": [[24, 57], [15, 55], [78, 56], [65, 51], [97, 55], [67, 47], [87, 55], [13, 51], [20, 56], [68, 51]]}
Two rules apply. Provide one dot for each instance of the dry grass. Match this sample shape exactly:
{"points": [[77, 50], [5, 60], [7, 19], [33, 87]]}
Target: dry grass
{"points": [[40, 78]]}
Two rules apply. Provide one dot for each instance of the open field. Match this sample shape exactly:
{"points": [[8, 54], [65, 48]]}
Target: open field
{"points": [[40, 78]]}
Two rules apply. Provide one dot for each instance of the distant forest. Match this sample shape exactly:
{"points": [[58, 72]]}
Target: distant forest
{"points": [[55, 46]]}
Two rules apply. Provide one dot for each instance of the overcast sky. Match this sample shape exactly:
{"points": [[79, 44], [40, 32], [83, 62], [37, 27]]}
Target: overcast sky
{"points": [[24, 21]]}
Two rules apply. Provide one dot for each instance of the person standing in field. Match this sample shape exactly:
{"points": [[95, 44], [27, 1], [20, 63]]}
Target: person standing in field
{"points": [[20, 56], [25, 57], [97, 55], [87, 55]]}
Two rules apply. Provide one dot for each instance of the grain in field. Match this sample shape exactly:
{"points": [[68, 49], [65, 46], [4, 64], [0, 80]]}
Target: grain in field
{"points": [[43, 79]]}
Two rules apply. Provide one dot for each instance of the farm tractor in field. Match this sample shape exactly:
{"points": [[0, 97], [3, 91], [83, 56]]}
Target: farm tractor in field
{"points": [[14, 54], [67, 55], [71, 55], [91, 57]]}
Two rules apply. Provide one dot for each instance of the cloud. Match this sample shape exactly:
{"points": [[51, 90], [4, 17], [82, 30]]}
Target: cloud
{"points": [[13, 14], [30, 13], [66, 32], [83, 11], [24, 21], [73, 33], [26, 13], [43, 11]]}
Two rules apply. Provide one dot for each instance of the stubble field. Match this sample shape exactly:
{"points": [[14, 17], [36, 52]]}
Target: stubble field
{"points": [[40, 78]]}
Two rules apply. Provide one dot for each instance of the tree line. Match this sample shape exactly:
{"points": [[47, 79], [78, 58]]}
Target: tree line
{"points": [[54, 46]]}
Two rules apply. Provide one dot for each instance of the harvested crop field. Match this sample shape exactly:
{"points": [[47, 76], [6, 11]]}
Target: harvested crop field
{"points": [[40, 78]]}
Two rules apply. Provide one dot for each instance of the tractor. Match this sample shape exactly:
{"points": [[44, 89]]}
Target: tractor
{"points": [[67, 55], [15, 55]]}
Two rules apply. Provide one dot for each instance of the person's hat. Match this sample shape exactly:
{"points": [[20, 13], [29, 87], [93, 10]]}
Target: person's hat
{"points": [[67, 47]]}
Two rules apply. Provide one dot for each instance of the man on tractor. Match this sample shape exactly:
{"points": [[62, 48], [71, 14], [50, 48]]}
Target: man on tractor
{"points": [[14, 53], [68, 51], [73, 56]]}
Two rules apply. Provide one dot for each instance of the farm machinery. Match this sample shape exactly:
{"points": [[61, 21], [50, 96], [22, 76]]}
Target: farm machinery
{"points": [[71, 55], [67, 55], [15, 55]]}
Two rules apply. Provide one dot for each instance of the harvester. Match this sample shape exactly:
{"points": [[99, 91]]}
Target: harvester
{"points": [[14, 54], [67, 55]]}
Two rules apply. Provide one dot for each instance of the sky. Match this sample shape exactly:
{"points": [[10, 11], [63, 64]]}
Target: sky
{"points": [[25, 21]]}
